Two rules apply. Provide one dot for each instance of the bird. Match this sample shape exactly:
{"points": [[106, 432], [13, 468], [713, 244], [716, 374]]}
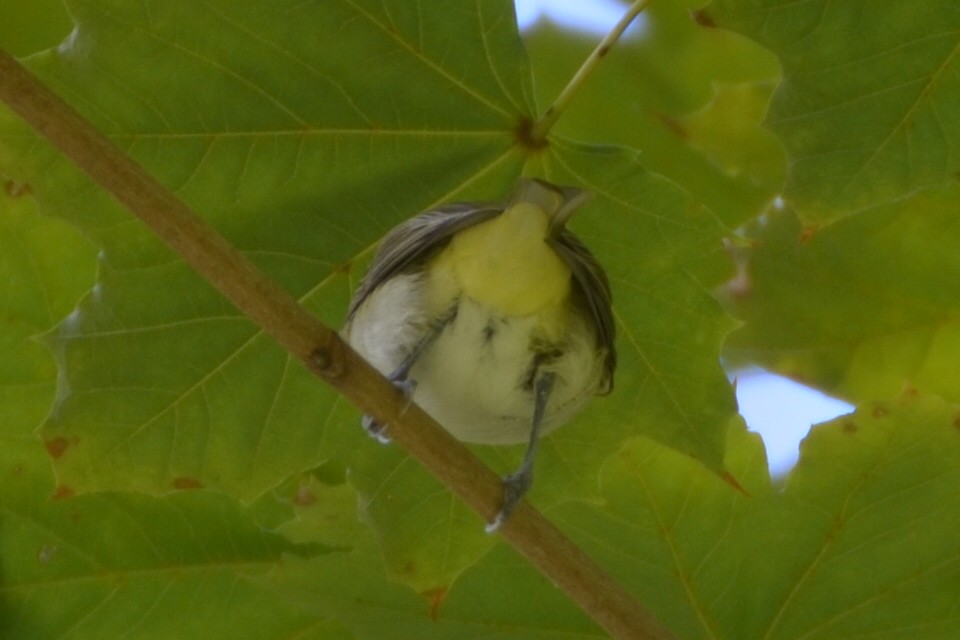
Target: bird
{"points": [[491, 316]]}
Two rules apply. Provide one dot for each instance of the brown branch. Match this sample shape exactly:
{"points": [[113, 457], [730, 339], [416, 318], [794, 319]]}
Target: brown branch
{"points": [[323, 352]]}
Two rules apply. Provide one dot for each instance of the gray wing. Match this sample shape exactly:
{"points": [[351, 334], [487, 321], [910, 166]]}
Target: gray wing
{"points": [[594, 290], [411, 242]]}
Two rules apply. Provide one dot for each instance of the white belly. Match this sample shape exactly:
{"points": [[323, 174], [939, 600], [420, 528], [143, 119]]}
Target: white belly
{"points": [[476, 377]]}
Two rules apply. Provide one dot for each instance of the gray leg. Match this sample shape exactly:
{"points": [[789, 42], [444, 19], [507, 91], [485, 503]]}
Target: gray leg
{"points": [[399, 376], [519, 482]]}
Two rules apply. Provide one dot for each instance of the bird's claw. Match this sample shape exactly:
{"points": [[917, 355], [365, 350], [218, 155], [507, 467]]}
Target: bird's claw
{"points": [[378, 431], [375, 430], [515, 486]]}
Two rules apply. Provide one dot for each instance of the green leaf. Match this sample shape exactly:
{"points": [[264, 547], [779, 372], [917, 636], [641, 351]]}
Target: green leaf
{"points": [[875, 503], [661, 74], [33, 26], [196, 565], [866, 109], [499, 600], [727, 132], [324, 512], [45, 266], [861, 307], [860, 543], [427, 536], [108, 565]]}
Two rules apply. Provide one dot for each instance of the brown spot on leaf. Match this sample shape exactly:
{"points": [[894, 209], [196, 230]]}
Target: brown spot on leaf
{"points": [[56, 447], [184, 483], [62, 492], [850, 427], [702, 18], [435, 598], [344, 268], [807, 233], [880, 411], [672, 125], [956, 422]]}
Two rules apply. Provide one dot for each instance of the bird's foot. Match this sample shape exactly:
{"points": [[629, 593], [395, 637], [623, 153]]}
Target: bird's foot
{"points": [[377, 430], [515, 486]]}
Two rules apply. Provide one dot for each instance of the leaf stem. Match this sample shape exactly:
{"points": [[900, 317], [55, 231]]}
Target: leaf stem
{"points": [[541, 127], [324, 353]]}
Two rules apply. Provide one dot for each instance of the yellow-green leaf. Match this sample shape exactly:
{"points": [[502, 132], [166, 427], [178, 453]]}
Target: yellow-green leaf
{"points": [[867, 107], [861, 542], [859, 308]]}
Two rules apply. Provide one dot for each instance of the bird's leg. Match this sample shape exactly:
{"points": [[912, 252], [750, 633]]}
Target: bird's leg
{"points": [[519, 482], [400, 376]]}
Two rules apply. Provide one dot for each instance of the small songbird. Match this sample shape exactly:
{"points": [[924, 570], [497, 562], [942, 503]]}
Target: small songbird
{"points": [[494, 318]]}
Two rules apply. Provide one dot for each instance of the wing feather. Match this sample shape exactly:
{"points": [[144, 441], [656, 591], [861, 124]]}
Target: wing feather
{"points": [[594, 292], [411, 242]]}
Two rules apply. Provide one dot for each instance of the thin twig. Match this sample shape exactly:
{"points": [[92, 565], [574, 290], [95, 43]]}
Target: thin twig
{"points": [[541, 127], [323, 352]]}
